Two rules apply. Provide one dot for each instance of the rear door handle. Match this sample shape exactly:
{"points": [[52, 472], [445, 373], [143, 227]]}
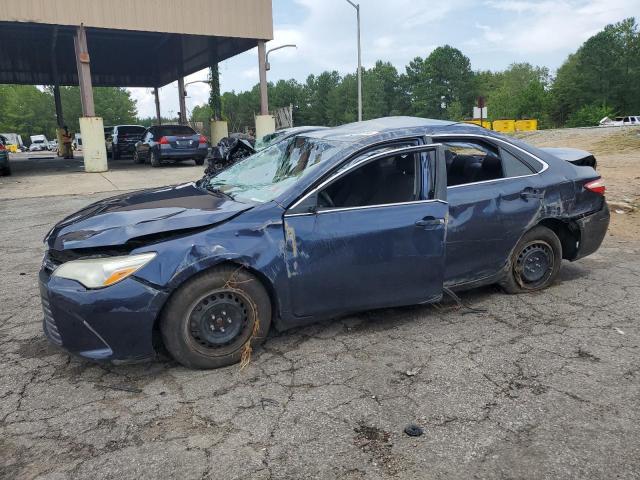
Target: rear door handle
{"points": [[531, 193], [430, 222]]}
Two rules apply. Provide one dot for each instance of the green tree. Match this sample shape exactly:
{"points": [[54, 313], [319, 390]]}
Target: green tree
{"points": [[518, 92], [604, 71], [215, 101], [437, 82]]}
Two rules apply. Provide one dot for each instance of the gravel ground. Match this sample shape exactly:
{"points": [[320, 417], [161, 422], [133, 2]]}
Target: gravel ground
{"points": [[543, 385]]}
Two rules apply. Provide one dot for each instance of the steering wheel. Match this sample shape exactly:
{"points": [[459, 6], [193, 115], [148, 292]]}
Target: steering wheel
{"points": [[324, 196]]}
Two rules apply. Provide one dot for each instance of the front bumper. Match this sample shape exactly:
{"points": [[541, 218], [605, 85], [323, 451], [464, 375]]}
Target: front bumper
{"points": [[593, 229], [113, 323]]}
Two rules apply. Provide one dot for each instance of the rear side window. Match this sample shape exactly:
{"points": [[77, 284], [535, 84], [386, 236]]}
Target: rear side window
{"points": [[131, 130], [512, 166], [473, 161], [175, 130]]}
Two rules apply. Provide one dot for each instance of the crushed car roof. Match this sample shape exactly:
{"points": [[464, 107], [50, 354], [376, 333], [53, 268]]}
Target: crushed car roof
{"points": [[358, 131]]}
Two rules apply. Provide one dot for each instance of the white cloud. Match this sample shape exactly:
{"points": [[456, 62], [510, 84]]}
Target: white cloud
{"points": [[493, 33], [562, 25]]}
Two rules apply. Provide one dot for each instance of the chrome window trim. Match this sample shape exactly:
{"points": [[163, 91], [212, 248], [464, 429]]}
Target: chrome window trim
{"points": [[544, 164], [372, 158], [363, 207], [489, 139]]}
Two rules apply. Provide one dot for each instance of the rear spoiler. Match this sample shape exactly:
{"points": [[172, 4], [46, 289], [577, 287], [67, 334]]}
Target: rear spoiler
{"points": [[580, 158]]}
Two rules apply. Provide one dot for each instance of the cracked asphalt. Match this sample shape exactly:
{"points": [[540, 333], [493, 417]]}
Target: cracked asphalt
{"points": [[535, 386]]}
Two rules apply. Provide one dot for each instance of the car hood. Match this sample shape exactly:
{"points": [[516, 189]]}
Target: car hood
{"points": [[117, 220]]}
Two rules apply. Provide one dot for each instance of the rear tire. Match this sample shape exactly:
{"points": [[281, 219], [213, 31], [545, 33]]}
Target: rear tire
{"points": [[208, 321], [136, 157], [154, 158], [6, 171], [535, 262], [115, 155], [199, 161]]}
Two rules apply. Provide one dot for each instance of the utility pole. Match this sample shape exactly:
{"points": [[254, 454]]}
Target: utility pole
{"points": [[357, 7]]}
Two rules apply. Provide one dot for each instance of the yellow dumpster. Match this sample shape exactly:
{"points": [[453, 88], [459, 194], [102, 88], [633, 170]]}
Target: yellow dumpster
{"points": [[485, 123], [506, 126], [526, 125]]}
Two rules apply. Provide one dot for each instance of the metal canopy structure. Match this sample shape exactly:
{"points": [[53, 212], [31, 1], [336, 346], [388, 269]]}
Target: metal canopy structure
{"points": [[132, 43], [124, 43], [118, 57]]}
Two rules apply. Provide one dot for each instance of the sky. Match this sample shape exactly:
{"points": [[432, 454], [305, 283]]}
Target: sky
{"points": [[492, 33]]}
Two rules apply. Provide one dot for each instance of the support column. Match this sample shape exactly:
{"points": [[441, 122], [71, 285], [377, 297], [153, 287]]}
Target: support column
{"points": [[158, 116], [84, 72], [94, 149], [63, 150], [183, 104], [265, 123], [262, 66]]}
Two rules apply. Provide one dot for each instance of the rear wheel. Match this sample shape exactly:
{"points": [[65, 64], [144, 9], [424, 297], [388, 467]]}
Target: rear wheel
{"points": [[115, 155], [136, 157], [535, 261], [199, 161], [154, 158], [213, 318], [5, 171]]}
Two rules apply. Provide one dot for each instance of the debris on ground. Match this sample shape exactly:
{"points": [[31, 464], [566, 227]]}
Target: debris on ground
{"points": [[413, 430]]}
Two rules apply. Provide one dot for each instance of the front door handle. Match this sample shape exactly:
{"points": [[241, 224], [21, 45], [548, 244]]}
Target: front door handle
{"points": [[430, 222]]}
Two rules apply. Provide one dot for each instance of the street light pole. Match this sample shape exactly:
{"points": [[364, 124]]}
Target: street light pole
{"points": [[357, 7], [267, 65]]}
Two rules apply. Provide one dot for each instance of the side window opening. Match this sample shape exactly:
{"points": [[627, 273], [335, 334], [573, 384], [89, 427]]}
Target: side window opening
{"points": [[393, 179], [477, 161]]}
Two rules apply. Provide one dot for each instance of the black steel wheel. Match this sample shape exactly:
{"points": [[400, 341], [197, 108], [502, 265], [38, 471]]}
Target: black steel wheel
{"points": [[154, 158], [535, 261], [219, 319], [137, 158], [214, 316]]}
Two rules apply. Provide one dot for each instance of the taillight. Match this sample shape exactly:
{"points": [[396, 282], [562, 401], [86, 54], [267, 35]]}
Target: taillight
{"points": [[596, 186], [2, 147], [202, 139], [163, 141]]}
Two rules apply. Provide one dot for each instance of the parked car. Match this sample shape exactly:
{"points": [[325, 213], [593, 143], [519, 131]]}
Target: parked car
{"points": [[108, 139], [5, 168], [124, 139], [171, 142], [38, 143], [374, 214], [13, 142], [53, 145], [620, 121]]}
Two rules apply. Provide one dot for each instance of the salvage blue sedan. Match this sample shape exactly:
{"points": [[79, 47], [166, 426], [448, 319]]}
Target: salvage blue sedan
{"points": [[374, 214]]}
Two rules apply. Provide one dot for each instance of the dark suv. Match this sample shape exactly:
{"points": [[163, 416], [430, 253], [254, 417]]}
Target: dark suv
{"points": [[124, 138], [171, 142]]}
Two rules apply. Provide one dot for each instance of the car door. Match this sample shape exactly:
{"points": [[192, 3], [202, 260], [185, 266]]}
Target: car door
{"points": [[371, 235], [493, 197]]}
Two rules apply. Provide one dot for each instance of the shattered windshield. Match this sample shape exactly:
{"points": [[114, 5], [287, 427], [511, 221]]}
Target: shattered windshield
{"points": [[269, 172]]}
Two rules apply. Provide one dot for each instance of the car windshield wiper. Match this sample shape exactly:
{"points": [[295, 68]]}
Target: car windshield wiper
{"points": [[216, 191]]}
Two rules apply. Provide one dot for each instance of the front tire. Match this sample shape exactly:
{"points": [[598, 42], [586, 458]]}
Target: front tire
{"points": [[6, 171], [535, 262], [209, 321], [115, 155]]}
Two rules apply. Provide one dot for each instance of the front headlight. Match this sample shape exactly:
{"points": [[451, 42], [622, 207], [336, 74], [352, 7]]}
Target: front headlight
{"points": [[102, 272]]}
